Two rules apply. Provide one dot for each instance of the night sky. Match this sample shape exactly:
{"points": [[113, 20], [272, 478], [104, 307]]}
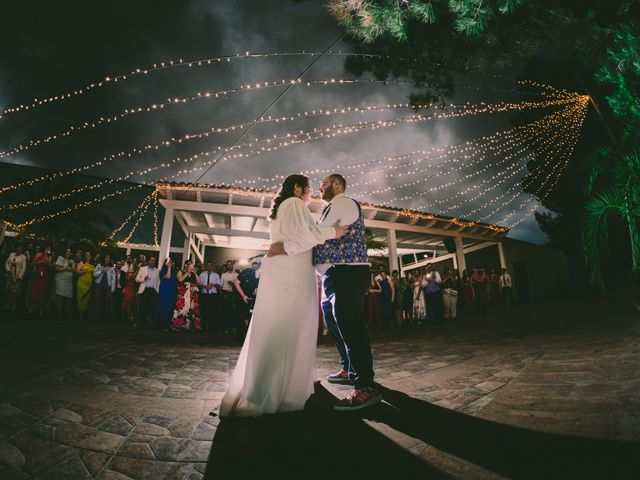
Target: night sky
{"points": [[50, 48]]}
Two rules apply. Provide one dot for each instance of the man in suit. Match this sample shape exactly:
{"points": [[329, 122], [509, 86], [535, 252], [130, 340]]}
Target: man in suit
{"points": [[148, 279], [209, 285], [118, 291]]}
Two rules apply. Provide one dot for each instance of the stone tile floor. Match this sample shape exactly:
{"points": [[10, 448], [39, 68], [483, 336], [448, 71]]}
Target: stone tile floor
{"points": [[544, 391]]}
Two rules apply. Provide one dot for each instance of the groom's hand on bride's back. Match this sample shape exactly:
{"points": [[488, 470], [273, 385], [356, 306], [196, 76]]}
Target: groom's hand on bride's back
{"points": [[341, 231], [276, 249]]}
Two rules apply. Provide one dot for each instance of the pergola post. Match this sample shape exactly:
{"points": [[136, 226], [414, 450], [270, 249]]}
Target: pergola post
{"points": [[460, 259], [165, 239], [187, 248], [392, 243], [503, 262]]}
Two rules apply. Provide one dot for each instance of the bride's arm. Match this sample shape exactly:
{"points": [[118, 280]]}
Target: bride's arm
{"points": [[301, 230]]}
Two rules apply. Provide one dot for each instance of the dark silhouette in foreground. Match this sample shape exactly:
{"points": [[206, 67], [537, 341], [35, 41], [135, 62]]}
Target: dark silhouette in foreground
{"points": [[319, 442]]}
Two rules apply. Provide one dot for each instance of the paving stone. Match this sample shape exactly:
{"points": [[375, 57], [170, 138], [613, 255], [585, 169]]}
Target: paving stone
{"points": [[531, 373], [112, 475], [94, 461], [151, 470], [87, 437], [72, 469], [67, 416], [136, 450], [11, 456], [204, 431], [41, 455], [151, 429], [488, 387], [7, 473], [7, 409], [12, 424], [43, 430], [158, 420], [181, 449], [117, 425]]}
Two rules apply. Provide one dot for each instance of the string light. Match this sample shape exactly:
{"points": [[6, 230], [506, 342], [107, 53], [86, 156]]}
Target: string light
{"points": [[493, 146], [565, 159], [102, 120], [470, 145], [462, 192], [582, 110], [129, 217], [171, 64], [157, 106], [86, 203], [565, 156], [551, 144], [461, 153], [342, 129], [475, 109], [155, 218], [187, 137], [192, 136], [467, 109], [140, 216]]}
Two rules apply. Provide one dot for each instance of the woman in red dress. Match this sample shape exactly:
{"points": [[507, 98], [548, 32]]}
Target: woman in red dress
{"points": [[40, 281], [129, 294]]}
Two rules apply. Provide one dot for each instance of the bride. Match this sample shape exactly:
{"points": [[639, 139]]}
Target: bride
{"points": [[274, 372]]}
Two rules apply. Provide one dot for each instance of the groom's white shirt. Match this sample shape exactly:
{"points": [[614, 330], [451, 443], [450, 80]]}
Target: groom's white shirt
{"points": [[342, 211]]}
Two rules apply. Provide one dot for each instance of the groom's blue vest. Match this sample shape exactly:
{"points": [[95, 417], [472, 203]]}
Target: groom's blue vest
{"points": [[351, 248]]}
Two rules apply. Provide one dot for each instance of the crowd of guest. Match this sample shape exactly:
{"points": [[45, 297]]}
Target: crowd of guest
{"points": [[136, 291], [132, 290], [424, 295]]}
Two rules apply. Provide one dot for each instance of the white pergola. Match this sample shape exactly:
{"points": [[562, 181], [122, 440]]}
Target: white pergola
{"points": [[220, 216]]}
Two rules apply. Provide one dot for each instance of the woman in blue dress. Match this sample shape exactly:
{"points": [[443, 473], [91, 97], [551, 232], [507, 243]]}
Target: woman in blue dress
{"points": [[166, 296]]}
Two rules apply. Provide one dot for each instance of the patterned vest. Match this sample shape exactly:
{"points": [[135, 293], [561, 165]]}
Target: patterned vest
{"points": [[351, 248]]}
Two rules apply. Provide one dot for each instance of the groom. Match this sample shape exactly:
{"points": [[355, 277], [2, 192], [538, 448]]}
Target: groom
{"points": [[345, 280]]}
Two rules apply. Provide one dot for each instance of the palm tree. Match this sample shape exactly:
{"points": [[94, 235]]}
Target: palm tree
{"points": [[622, 200]]}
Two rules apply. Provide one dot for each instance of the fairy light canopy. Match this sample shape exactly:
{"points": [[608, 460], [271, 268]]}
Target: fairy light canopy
{"points": [[202, 119]]}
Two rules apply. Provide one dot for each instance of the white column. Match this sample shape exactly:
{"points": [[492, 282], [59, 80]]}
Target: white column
{"points": [[128, 251], [3, 230], [393, 250], [186, 250], [165, 239], [503, 263], [460, 260]]}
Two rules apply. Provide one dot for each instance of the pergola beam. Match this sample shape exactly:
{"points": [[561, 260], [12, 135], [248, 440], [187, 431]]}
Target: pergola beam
{"points": [[225, 209], [227, 232], [402, 227]]}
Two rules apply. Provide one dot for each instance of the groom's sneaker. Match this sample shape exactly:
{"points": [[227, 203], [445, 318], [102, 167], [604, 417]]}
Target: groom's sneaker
{"points": [[358, 399], [341, 377]]}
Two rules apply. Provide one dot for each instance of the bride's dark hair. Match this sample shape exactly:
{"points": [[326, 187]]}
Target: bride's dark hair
{"points": [[286, 191]]}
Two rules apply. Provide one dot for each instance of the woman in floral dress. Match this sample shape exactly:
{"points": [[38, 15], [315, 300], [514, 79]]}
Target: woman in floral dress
{"points": [[186, 315]]}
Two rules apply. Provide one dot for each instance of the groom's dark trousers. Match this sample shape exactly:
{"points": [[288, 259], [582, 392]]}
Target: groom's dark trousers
{"points": [[345, 287]]}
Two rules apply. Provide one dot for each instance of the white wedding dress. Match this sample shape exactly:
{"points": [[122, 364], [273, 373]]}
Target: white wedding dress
{"points": [[275, 370]]}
